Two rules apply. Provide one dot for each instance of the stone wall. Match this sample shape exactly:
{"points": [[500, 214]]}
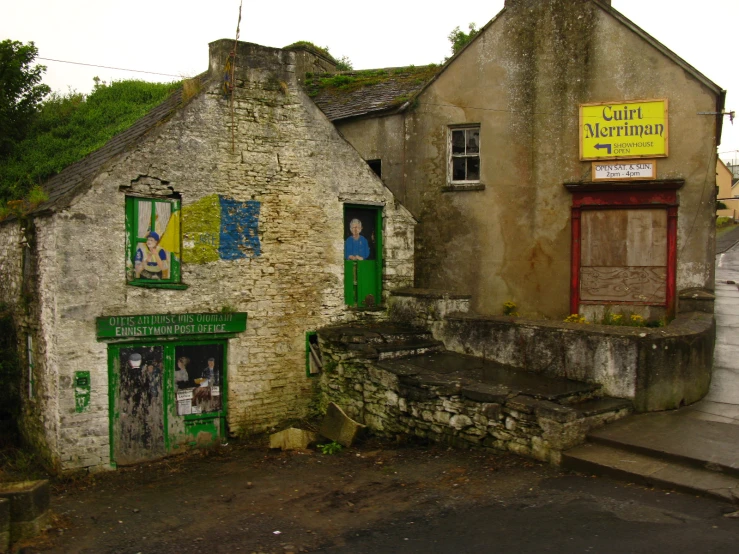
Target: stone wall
{"points": [[658, 369], [394, 402], [285, 158], [24, 288]]}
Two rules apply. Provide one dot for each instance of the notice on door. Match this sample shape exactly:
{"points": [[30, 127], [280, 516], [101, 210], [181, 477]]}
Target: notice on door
{"points": [[624, 171], [618, 130]]}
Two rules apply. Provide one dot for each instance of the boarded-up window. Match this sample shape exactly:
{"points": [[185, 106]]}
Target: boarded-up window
{"points": [[624, 256]]}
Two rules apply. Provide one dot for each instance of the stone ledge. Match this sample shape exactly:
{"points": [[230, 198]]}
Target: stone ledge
{"points": [[29, 507], [430, 293]]}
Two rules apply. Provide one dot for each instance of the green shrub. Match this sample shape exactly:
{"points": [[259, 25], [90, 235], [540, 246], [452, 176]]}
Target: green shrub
{"points": [[330, 448], [70, 126]]}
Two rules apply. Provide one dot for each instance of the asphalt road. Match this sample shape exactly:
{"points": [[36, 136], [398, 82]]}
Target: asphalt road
{"points": [[563, 514]]}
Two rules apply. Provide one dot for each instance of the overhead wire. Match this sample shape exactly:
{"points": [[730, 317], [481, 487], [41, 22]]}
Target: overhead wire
{"points": [[109, 67]]}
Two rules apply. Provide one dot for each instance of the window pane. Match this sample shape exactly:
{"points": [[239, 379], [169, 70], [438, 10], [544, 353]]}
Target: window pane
{"points": [[473, 169], [144, 223], [473, 141], [198, 378], [458, 169], [457, 142]]}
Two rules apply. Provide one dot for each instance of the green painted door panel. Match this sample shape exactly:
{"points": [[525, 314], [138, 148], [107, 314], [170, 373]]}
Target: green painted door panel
{"points": [[138, 431], [363, 277], [367, 282]]}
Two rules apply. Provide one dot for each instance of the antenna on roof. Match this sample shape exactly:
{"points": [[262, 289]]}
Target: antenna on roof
{"points": [[231, 65]]}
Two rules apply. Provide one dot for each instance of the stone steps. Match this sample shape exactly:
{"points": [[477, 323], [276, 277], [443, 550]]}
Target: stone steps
{"points": [[407, 348], [668, 450]]}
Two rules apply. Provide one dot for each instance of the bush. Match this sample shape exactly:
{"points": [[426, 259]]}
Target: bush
{"points": [[68, 127]]}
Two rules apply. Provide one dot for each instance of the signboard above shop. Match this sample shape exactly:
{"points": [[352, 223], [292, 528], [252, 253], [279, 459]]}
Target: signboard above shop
{"points": [[624, 171], [169, 325], [621, 130]]}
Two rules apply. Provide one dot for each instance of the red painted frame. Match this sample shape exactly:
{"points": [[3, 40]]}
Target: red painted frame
{"points": [[646, 195]]}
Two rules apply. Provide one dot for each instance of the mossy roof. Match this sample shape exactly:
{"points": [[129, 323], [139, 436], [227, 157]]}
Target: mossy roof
{"points": [[367, 92]]}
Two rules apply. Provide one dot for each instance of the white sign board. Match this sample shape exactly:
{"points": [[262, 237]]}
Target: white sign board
{"points": [[623, 171]]}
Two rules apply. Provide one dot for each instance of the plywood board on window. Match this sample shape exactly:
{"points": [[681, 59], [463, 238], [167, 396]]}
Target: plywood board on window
{"points": [[618, 238], [623, 284], [604, 234]]}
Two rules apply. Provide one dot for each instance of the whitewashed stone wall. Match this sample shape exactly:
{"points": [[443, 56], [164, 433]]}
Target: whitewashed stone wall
{"points": [[288, 157]]}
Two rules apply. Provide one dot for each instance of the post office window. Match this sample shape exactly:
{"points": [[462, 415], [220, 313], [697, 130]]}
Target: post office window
{"points": [[464, 154]]}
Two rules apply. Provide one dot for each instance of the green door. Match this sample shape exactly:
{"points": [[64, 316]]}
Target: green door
{"points": [[362, 256]]}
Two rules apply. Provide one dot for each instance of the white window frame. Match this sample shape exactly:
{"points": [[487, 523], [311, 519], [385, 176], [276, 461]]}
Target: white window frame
{"points": [[466, 155]]}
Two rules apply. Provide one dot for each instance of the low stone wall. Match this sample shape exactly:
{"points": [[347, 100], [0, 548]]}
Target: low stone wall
{"points": [[658, 369], [393, 402]]}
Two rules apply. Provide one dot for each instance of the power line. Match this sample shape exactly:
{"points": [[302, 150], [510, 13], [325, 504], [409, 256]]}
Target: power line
{"points": [[108, 67]]}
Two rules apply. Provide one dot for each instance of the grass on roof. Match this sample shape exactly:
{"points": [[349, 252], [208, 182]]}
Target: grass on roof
{"points": [[310, 46], [71, 126], [349, 81]]}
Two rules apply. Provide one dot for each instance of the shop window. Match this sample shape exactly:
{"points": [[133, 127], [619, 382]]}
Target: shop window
{"points": [[464, 154], [153, 242], [198, 378]]}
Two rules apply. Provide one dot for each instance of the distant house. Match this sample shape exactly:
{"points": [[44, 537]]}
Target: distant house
{"points": [[167, 292], [728, 192]]}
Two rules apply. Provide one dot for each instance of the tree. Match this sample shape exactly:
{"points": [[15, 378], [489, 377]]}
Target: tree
{"points": [[21, 91], [459, 39]]}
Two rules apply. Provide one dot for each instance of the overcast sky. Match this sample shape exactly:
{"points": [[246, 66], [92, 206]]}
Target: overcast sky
{"points": [[172, 37]]}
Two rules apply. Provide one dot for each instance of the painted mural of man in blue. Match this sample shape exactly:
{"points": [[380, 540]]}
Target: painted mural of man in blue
{"points": [[356, 246]]}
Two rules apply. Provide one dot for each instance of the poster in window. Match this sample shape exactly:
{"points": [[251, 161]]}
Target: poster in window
{"points": [[198, 378], [360, 237]]}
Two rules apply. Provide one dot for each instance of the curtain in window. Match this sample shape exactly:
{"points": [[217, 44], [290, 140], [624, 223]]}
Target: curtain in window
{"points": [[144, 208]]}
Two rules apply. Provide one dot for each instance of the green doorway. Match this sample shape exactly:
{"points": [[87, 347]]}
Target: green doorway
{"points": [[165, 397], [362, 256]]}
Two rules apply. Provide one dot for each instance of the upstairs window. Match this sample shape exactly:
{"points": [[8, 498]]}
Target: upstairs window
{"points": [[153, 241], [376, 166], [464, 154]]}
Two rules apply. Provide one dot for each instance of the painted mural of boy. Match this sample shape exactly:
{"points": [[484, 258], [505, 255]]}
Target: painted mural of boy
{"points": [[151, 260], [356, 246]]}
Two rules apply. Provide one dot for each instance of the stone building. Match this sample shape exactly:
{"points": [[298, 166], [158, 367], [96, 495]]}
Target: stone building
{"points": [[490, 153], [563, 160], [132, 285]]}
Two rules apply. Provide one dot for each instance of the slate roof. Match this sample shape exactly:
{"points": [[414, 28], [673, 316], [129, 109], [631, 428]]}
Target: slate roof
{"points": [[64, 186], [372, 91]]}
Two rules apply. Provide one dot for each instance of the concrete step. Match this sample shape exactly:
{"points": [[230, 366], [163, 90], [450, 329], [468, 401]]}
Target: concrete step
{"points": [[651, 471], [604, 405], [675, 437], [406, 348]]}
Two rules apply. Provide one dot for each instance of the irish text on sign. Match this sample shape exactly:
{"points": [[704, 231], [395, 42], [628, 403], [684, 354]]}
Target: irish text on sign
{"points": [[623, 130]]}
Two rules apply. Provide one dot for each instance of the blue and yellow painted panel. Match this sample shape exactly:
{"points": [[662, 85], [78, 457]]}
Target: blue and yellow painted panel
{"points": [[219, 228]]}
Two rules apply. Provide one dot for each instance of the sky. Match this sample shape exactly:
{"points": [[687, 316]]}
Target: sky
{"points": [[171, 37]]}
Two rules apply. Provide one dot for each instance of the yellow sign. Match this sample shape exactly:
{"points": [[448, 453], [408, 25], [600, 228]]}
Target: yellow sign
{"points": [[614, 130]]}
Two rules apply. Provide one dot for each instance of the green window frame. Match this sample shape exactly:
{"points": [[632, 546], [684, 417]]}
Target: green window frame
{"points": [[144, 217]]}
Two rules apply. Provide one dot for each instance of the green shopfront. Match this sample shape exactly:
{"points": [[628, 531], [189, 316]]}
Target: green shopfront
{"points": [[168, 381]]}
